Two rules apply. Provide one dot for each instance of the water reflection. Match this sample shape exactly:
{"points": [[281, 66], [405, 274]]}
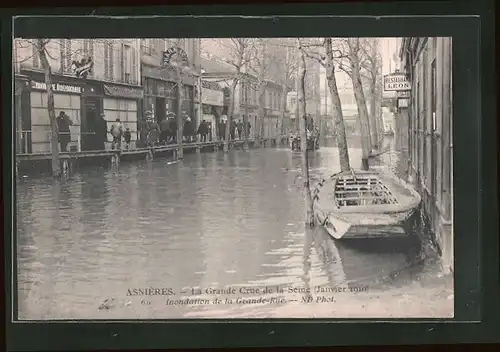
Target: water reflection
{"points": [[210, 220]]}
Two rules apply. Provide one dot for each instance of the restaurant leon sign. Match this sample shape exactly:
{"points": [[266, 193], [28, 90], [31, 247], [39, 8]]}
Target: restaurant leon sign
{"points": [[396, 82]]}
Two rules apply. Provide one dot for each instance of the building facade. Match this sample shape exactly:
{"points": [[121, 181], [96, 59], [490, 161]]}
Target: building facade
{"points": [[428, 64], [160, 78], [212, 98], [112, 86], [218, 71]]}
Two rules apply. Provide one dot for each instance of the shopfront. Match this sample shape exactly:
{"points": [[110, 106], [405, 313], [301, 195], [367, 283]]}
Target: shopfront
{"points": [[160, 93], [212, 98], [83, 101], [115, 101]]}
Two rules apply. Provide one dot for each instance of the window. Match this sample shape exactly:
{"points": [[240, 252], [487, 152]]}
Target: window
{"points": [[126, 63], [146, 46], [108, 61]]}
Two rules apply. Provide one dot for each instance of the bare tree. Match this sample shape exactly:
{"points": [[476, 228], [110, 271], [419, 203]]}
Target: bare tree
{"points": [[322, 51], [372, 71], [240, 50], [40, 45], [352, 65], [309, 210]]}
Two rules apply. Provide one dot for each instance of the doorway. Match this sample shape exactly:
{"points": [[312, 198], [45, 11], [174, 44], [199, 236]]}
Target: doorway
{"points": [[160, 109], [92, 110]]}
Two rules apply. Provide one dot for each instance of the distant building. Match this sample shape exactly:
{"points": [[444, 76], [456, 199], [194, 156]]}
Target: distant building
{"points": [[427, 62], [216, 67], [110, 84]]}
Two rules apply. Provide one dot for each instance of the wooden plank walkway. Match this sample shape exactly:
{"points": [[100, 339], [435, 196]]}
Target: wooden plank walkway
{"points": [[136, 151]]}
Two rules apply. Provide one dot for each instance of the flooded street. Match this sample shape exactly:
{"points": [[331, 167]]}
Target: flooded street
{"points": [[211, 221]]}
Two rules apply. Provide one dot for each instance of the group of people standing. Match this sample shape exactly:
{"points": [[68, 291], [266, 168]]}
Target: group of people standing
{"points": [[150, 132], [237, 129], [97, 136]]}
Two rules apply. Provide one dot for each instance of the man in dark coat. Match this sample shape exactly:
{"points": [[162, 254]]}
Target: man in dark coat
{"points": [[173, 129], [203, 131], [239, 127], [222, 130], [64, 137], [101, 132], [233, 129], [164, 130]]}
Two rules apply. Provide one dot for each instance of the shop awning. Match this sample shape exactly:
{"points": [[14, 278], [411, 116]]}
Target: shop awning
{"points": [[123, 91]]}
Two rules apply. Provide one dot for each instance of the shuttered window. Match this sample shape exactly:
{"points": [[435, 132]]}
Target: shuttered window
{"points": [[62, 50], [133, 77], [111, 61], [106, 61], [68, 55]]}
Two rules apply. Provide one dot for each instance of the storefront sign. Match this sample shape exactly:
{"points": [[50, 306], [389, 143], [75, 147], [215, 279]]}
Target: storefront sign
{"points": [[212, 97], [123, 92], [396, 82], [403, 102], [57, 87], [403, 94], [82, 68], [179, 54]]}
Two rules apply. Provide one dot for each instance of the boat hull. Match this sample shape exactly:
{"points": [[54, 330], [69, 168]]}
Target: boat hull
{"points": [[377, 220], [398, 225]]}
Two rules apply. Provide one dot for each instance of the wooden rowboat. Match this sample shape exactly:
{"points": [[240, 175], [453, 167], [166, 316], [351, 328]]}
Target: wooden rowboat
{"points": [[365, 204]]}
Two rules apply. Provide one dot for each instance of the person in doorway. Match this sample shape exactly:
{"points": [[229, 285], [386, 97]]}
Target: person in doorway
{"points": [[248, 128], [127, 136], [117, 133], [101, 132], [64, 136]]}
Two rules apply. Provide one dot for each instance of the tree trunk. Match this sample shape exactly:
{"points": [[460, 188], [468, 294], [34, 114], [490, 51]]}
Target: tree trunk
{"points": [[281, 119], [180, 122], [337, 108], [373, 117], [259, 122], [362, 115], [230, 114], [309, 212], [56, 165], [245, 119]]}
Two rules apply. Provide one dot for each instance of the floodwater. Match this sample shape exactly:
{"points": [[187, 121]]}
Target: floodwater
{"points": [[109, 244]]}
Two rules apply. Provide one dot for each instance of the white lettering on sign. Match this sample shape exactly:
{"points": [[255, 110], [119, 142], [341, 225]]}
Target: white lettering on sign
{"points": [[396, 83], [58, 87], [403, 102]]}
